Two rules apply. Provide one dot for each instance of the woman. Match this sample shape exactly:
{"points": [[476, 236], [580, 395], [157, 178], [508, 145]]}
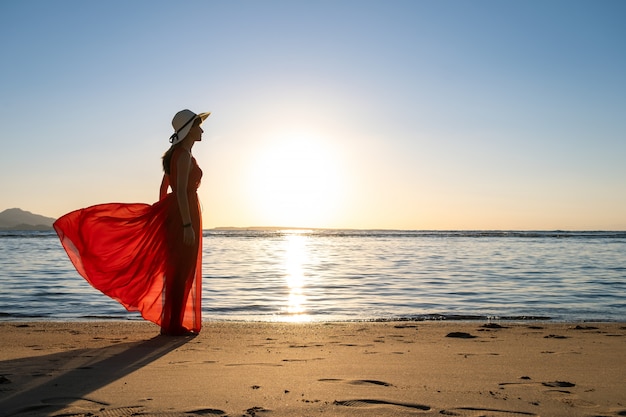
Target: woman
{"points": [[148, 257]]}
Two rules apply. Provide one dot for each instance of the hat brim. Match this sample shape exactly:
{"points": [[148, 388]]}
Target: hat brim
{"points": [[182, 134]]}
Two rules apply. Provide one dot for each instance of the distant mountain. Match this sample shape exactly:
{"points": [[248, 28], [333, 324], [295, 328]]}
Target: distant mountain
{"points": [[18, 219]]}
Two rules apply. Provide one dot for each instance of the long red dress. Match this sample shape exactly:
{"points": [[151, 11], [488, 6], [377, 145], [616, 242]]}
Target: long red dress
{"points": [[135, 254]]}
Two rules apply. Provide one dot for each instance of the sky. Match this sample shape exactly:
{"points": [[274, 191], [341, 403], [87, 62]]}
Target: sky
{"points": [[333, 114]]}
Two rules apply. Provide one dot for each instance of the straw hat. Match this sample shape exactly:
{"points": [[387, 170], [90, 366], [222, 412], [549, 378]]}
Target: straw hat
{"points": [[182, 122]]}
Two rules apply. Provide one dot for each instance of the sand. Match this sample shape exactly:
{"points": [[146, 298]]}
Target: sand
{"points": [[334, 369]]}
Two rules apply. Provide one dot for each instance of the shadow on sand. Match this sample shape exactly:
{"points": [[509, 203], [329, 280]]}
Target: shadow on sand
{"points": [[52, 382]]}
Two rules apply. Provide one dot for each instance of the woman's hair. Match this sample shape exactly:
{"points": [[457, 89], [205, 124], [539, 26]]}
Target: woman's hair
{"points": [[167, 159], [167, 156]]}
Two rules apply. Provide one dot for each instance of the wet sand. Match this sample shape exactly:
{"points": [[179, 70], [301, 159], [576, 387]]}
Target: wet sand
{"points": [[335, 369]]}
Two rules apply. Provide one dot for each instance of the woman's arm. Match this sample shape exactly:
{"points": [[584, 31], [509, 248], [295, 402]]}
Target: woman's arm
{"points": [[182, 175], [165, 183]]}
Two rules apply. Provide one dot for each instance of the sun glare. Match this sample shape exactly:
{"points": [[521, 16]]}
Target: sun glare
{"points": [[295, 182]]}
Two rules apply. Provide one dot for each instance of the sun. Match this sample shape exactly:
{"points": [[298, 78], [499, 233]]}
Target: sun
{"points": [[295, 181]]}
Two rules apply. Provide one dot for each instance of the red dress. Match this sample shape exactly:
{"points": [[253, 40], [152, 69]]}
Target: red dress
{"points": [[135, 254]]}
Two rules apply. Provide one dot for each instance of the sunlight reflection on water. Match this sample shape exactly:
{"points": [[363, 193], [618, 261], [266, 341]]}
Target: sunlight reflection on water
{"points": [[295, 257]]}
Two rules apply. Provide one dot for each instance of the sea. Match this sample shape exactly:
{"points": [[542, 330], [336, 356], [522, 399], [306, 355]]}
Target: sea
{"points": [[350, 275]]}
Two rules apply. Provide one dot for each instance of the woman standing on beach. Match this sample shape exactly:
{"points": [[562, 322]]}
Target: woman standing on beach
{"points": [[148, 257]]}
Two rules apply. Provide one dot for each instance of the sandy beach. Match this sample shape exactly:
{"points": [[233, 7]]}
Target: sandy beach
{"points": [[278, 369]]}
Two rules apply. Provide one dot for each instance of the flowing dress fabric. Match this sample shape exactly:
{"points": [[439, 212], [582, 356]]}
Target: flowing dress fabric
{"points": [[135, 254]]}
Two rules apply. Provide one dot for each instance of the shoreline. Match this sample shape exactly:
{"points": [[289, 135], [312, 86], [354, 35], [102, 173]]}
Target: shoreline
{"points": [[396, 368], [428, 318]]}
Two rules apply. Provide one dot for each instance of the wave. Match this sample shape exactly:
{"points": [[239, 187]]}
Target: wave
{"points": [[368, 233], [377, 233]]}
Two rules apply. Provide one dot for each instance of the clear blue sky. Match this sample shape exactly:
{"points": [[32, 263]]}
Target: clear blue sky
{"points": [[358, 114]]}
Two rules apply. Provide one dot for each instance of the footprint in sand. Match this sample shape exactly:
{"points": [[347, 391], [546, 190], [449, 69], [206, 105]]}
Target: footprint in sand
{"points": [[303, 360], [557, 390], [84, 406], [254, 411], [358, 382], [206, 412], [477, 411], [558, 384], [380, 403], [120, 411], [551, 384], [134, 411], [569, 398], [461, 335], [253, 364]]}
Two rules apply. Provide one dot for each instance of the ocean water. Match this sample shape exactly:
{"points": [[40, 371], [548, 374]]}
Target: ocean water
{"points": [[335, 275]]}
